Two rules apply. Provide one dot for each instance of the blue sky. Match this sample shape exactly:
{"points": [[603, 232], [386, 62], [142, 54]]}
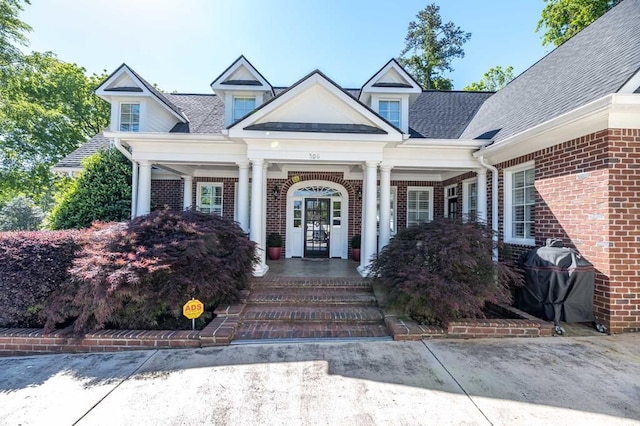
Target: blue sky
{"points": [[182, 45]]}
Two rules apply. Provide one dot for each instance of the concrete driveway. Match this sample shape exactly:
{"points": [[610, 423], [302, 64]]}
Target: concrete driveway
{"points": [[558, 380]]}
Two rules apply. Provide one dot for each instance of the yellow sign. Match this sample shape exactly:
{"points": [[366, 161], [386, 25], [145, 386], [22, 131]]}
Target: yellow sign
{"points": [[193, 309]]}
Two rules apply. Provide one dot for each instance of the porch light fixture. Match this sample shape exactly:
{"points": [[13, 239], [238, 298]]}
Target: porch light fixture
{"points": [[276, 192]]}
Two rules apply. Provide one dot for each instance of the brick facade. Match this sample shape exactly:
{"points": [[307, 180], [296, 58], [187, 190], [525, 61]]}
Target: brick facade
{"points": [[588, 194]]}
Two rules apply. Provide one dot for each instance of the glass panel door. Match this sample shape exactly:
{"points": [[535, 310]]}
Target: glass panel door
{"points": [[317, 227]]}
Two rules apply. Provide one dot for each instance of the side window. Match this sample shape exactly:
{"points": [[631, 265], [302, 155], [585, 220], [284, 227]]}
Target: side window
{"points": [[519, 206], [242, 106], [210, 198], [419, 205]]}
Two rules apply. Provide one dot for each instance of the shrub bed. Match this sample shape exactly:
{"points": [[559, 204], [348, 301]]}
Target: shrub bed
{"points": [[138, 274], [443, 270], [32, 265]]}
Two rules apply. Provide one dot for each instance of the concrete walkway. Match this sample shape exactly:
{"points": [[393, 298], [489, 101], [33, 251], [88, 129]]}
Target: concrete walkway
{"points": [[558, 380]]}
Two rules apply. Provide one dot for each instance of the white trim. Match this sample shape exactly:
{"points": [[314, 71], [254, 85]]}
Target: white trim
{"points": [[508, 204], [618, 110], [466, 208], [213, 206], [447, 198], [632, 84], [422, 189]]}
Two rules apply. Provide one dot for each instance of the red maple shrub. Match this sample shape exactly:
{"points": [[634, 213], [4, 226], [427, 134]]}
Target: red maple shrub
{"points": [[139, 274], [32, 265], [442, 270]]}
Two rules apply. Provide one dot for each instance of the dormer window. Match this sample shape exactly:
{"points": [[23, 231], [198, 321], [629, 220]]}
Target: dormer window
{"points": [[243, 105], [129, 117], [390, 111]]}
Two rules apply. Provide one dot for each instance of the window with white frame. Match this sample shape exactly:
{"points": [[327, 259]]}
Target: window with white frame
{"points": [[519, 205], [129, 117], [210, 198], [470, 199], [392, 202], [243, 105], [390, 110], [451, 201], [419, 205]]}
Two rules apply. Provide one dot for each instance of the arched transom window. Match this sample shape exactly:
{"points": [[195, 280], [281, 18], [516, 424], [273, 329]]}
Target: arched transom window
{"points": [[317, 191]]}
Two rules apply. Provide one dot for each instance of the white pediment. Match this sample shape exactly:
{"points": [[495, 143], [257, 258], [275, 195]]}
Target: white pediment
{"points": [[240, 76], [314, 105], [124, 81], [391, 79]]}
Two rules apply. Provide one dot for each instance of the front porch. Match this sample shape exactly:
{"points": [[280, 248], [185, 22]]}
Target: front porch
{"points": [[312, 268]]}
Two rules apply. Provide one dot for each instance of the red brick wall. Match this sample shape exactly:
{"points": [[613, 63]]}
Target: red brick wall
{"points": [[588, 194], [228, 194], [166, 193]]}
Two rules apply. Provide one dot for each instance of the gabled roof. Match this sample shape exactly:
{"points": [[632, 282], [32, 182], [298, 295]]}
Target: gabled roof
{"points": [[105, 88], [391, 78], [254, 118], [594, 63], [241, 74]]}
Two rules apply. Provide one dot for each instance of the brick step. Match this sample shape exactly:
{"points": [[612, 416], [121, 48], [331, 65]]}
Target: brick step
{"points": [[309, 282], [309, 330], [311, 314], [312, 296]]}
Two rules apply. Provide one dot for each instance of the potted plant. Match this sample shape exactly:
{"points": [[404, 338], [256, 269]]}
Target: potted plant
{"points": [[355, 247], [274, 246]]}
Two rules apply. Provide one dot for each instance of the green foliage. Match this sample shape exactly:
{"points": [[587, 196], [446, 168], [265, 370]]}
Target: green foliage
{"points": [[438, 271], [562, 19], [20, 214], [274, 240], [356, 241], [493, 80], [47, 109], [32, 265], [102, 192], [139, 273], [430, 47], [12, 31]]}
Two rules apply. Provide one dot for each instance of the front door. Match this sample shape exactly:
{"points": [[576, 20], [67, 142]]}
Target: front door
{"points": [[317, 227]]}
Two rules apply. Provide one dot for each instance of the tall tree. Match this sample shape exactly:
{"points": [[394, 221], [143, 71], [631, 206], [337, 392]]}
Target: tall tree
{"points": [[430, 47], [12, 31], [47, 109], [562, 19], [493, 80]]}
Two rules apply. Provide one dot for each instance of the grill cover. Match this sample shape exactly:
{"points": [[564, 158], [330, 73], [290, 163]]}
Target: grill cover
{"points": [[558, 286]]}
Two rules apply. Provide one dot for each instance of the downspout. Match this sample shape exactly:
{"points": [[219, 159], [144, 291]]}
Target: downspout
{"points": [[494, 203], [134, 176]]}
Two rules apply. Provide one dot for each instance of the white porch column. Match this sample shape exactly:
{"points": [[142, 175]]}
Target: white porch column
{"points": [[363, 208], [482, 195], [385, 205], [144, 189], [369, 243], [187, 199], [257, 215], [243, 196]]}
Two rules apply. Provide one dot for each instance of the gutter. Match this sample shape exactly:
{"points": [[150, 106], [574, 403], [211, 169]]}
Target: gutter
{"points": [[134, 175], [494, 204]]}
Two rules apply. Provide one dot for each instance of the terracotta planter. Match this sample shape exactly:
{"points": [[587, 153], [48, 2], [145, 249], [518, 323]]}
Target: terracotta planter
{"points": [[274, 252], [355, 254]]}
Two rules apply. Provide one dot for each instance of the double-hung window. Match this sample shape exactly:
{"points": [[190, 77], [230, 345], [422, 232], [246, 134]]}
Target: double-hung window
{"points": [[390, 110], [210, 198], [519, 208], [129, 117], [242, 105], [419, 205], [470, 199]]}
